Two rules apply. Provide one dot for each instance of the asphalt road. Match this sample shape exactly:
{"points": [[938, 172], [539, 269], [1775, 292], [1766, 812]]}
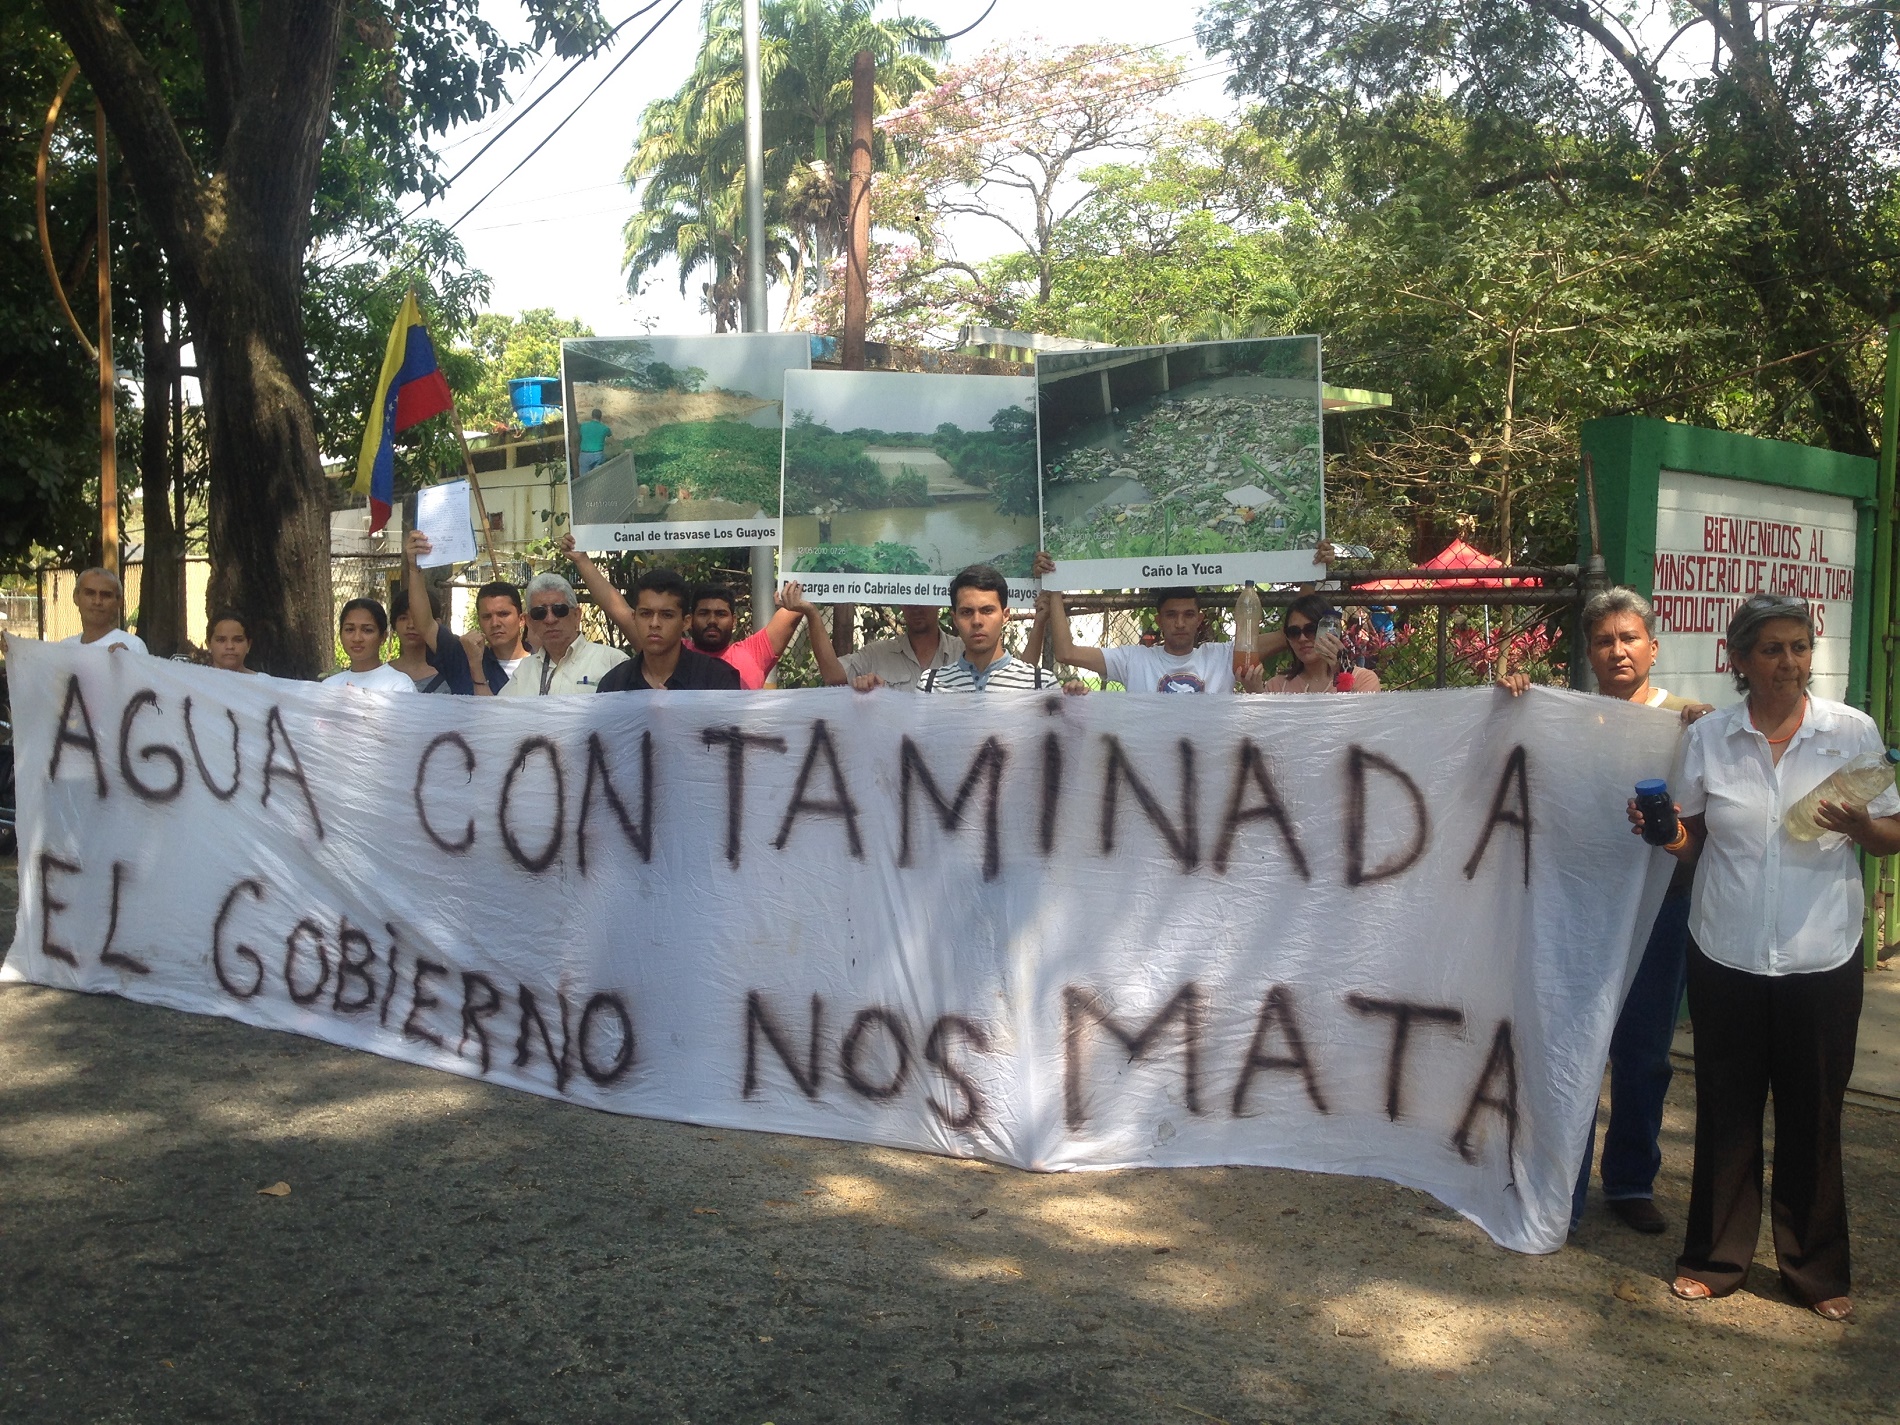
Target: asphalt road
{"points": [[450, 1251]]}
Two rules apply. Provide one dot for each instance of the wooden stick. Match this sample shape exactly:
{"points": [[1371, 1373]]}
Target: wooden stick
{"points": [[475, 487], [39, 196]]}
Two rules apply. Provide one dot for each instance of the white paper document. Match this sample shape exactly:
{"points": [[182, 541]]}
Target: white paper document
{"points": [[442, 514]]}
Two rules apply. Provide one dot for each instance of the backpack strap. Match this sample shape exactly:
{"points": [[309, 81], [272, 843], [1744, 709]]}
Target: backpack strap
{"points": [[930, 681]]}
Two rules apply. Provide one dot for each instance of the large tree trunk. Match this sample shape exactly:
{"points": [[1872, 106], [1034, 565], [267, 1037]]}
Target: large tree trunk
{"points": [[162, 577], [269, 512], [234, 242]]}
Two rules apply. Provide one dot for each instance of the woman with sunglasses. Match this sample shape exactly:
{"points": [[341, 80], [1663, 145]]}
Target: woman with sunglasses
{"points": [[565, 660], [362, 628], [1314, 653]]}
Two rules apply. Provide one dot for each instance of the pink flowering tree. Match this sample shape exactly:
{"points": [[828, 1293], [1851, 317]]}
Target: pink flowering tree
{"points": [[1005, 137], [915, 296]]}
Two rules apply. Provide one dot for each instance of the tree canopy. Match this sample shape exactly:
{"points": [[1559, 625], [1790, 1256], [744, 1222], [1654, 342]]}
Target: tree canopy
{"points": [[688, 162], [247, 133]]}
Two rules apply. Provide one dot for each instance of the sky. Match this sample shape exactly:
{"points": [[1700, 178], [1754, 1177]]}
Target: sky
{"points": [[550, 236], [902, 400]]}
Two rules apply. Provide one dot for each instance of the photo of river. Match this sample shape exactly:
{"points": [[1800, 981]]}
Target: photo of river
{"points": [[898, 474]]}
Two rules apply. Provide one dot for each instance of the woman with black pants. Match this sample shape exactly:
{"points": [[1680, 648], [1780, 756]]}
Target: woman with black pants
{"points": [[1774, 961]]}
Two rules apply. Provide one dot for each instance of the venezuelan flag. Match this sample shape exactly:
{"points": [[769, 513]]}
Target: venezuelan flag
{"points": [[411, 389]]}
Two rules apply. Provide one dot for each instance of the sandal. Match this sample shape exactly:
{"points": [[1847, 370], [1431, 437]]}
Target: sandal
{"points": [[1835, 1308], [1689, 1289]]}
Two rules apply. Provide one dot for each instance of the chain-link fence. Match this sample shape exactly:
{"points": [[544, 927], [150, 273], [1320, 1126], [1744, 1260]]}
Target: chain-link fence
{"points": [[20, 613], [1434, 631]]}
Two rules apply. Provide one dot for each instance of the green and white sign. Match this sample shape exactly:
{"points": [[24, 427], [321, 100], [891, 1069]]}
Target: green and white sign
{"points": [[1701, 519]]}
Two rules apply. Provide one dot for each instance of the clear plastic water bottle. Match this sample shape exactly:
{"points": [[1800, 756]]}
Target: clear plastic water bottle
{"points": [[1854, 785], [1247, 621]]}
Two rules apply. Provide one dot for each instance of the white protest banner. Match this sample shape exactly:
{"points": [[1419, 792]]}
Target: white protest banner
{"points": [[1383, 935]]}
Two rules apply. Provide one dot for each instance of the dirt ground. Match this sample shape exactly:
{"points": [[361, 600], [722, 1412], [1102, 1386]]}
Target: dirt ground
{"points": [[456, 1252]]}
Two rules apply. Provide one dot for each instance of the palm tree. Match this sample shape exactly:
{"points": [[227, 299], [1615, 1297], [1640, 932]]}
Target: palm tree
{"points": [[695, 216], [691, 144]]}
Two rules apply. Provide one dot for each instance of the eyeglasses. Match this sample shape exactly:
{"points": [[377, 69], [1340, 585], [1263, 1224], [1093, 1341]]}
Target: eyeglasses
{"points": [[1301, 630], [541, 611]]}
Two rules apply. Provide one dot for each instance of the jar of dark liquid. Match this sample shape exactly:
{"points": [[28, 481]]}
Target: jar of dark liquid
{"points": [[1659, 813]]}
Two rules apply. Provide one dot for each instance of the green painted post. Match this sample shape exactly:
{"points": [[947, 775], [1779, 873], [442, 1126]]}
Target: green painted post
{"points": [[1880, 643]]}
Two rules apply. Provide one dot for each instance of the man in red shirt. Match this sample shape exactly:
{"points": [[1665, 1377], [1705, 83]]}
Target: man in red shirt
{"points": [[714, 631], [711, 623]]}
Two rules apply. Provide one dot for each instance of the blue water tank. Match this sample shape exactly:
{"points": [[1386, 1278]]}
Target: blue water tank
{"points": [[535, 398]]}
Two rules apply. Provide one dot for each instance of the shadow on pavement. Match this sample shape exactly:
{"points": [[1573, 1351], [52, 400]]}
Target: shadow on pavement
{"points": [[454, 1251]]}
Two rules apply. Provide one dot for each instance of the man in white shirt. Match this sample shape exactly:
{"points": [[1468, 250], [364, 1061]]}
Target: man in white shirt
{"points": [[564, 661], [1178, 664], [895, 662], [101, 600]]}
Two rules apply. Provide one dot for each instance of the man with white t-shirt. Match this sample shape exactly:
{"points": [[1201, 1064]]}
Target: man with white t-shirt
{"points": [[101, 600], [1177, 664]]}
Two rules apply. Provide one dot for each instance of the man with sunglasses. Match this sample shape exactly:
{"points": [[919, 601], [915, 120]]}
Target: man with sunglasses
{"points": [[565, 661], [1176, 663]]}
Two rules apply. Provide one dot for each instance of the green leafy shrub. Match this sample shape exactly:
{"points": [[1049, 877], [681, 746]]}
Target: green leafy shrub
{"points": [[884, 557]]}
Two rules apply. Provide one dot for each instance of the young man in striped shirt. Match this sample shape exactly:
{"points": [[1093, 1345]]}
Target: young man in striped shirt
{"points": [[979, 606]]}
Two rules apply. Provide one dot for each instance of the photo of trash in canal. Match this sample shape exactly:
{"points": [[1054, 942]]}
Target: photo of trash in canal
{"points": [[894, 481], [674, 440], [1162, 453]]}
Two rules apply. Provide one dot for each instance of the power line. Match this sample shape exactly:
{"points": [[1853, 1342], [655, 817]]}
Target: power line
{"points": [[945, 39], [364, 242], [633, 50], [565, 75], [501, 115], [556, 218]]}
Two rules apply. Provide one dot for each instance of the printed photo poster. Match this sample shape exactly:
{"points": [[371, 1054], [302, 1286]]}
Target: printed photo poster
{"points": [[894, 481], [673, 441], [1194, 463]]}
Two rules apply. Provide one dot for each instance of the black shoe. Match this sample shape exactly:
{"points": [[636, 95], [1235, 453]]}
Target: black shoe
{"points": [[1639, 1214]]}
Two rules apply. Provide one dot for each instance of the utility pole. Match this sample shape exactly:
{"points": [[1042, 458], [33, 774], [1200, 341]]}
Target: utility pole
{"points": [[858, 209], [857, 297], [763, 560]]}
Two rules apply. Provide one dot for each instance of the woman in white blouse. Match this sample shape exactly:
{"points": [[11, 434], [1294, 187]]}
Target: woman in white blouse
{"points": [[1774, 962], [362, 628]]}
